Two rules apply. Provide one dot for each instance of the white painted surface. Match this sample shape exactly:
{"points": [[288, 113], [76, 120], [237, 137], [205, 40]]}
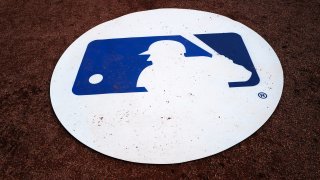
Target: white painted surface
{"points": [[180, 124]]}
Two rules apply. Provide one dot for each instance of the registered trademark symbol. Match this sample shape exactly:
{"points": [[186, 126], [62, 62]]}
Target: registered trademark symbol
{"points": [[262, 95]]}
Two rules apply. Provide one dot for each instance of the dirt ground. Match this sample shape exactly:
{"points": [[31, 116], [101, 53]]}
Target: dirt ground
{"points": [[33, 144]]}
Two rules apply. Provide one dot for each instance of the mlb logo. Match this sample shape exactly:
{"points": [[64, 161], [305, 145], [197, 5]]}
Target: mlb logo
{"points": [[166, 86], [116, 64]]}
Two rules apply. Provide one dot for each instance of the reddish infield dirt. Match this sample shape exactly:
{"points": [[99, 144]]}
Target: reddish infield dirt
{"points": [[33, 143]]}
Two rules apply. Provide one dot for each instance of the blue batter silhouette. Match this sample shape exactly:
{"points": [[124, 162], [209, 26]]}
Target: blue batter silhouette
{"points": [[119, 61]]}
